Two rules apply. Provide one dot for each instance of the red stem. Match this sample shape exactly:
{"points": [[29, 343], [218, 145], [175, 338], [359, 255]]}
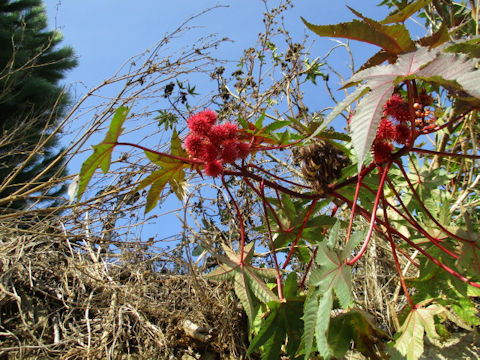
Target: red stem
{"points": [[355, 200], [395, 257], [409, 217], [277, 219], [185, 160], [417, 197], [425, 151], [272, 245], [368, 216], [373, 217], [299, 234]]}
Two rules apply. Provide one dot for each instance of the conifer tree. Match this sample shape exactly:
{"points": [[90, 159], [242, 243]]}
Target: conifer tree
{"points": [[31, 100]]}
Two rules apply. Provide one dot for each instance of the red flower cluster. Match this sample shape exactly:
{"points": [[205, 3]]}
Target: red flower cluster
{"points": [[393, 127], [213, 144]]}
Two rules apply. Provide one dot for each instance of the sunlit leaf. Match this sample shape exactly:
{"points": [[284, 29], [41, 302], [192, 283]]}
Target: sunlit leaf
{"points": [[102, 153], [333, 274], [418, 322], [325, 304], [171, 171], [406, 12], [393, 38], [310, 319]]}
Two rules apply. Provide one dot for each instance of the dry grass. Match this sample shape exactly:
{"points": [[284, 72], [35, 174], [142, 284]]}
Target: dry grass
{"points": [[58, 302]]}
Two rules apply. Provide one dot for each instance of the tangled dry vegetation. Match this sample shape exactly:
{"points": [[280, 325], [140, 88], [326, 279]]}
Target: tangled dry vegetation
{"points": [[59, 301]]}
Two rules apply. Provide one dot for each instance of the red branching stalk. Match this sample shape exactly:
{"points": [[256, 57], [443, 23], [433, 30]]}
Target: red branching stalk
{"points": [[395, 257], [367, 215], [425, 210], [261, 196], [299, 234], [272, 245], [170, 156], [355, 200], [409, 217], [384, 172], [425, 151]]}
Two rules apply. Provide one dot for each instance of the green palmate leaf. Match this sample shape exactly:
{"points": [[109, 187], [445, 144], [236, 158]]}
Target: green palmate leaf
{"points": [[468, 47], [406, 12], [248, 280], [394, 38], [354, 325], [101, 157], [171, 171], [325, 305], [283, 322], [242, 290], [333, 274], [455, 71], [267, 331], [257, 285], [469, 259], [310, 319], [410, 340]]}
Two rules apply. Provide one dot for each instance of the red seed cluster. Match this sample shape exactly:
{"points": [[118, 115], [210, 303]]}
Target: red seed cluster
{"points": [[213, 144], [395, 125]]}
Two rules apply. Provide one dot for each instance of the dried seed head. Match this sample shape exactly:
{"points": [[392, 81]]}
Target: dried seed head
{"points": [[321, 164]]}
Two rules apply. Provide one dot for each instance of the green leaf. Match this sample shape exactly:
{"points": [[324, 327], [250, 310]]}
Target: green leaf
{"points": [[468, 47], [394, 39], [469, 259], [406, 12], [333, 274], [242, 290], [333, 235], [259, 122], [448, 70], [102, 152], [171, 171], [291, 285], [410, 340], [354, 325], [325, 305], [310, 312], [275, 126]]}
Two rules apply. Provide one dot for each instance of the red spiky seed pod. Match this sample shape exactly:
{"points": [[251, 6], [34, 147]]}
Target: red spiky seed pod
{"points": [[386, 130], [229, 152], [194, 145], [382, 151], [397, 108], [213, 168], [243, 150], [402, 133], [200, 124]]}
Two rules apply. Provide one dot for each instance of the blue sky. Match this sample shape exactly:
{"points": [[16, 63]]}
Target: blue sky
{"points": [[106, 33]]}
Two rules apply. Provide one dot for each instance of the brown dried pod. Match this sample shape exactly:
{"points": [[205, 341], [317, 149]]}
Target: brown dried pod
{"points": [[321, 164]]}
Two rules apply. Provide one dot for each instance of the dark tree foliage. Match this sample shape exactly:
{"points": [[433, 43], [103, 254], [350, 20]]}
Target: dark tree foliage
{"points": [[31, 100]]}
